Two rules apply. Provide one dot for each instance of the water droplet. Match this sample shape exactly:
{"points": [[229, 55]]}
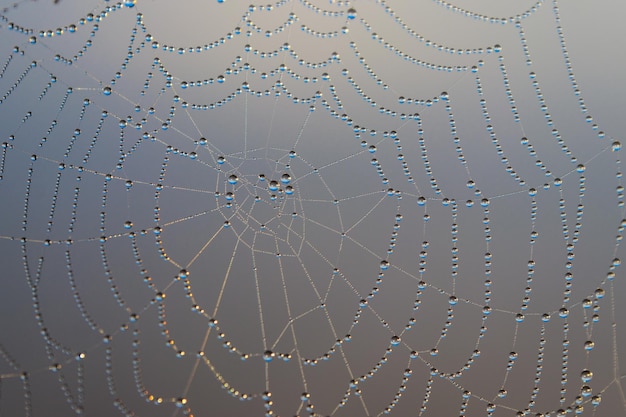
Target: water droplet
{"points": [[130, 3], [233, 179], [616, 146], [285, 178], [351, 14], [107, 91], [384, 265], [395, 340], [268, 355], [586, 375], [589, 345]]}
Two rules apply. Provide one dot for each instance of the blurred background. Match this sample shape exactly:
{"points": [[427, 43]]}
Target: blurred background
{"points": [[328, 208]]}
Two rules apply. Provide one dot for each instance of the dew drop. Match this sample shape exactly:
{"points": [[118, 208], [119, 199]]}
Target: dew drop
{"points": [[616, 146]]}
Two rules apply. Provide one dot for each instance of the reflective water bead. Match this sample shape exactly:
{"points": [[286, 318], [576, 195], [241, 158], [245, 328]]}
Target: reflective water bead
{"points": [[616, 146], [586, 375]]}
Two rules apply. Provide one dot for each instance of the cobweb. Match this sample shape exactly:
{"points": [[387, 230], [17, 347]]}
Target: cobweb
{"points": [[324, 208]]}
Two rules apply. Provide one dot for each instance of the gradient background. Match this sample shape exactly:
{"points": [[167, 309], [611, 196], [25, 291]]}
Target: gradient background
{"points": [[265, 302]]}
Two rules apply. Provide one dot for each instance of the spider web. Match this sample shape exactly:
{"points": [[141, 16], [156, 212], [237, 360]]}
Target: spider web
{"points": [[311, 208]]}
